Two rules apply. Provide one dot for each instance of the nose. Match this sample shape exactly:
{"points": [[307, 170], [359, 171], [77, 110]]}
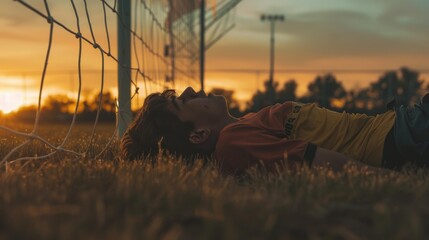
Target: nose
{"points": [[189, 93]]}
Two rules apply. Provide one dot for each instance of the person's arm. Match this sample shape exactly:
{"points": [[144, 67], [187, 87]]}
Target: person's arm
{"points": [[337, 161]]}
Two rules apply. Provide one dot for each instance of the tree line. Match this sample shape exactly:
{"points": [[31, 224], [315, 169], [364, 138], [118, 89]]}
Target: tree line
{"points": [[404, 85], [60, 108]]}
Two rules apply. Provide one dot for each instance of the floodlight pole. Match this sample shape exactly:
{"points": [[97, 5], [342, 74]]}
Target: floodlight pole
{"points": [[171, 50], [124, 116], [272, 19], [202, 41]]}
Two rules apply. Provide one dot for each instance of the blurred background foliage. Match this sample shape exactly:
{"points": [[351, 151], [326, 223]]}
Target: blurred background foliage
{"points": [[404, 85]]}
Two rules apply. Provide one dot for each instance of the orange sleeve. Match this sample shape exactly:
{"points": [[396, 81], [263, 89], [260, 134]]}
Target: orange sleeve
{"points": [[264, 149]]}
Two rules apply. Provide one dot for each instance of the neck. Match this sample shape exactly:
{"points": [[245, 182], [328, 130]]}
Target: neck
{"points": [[232, 119], [228, 120]]}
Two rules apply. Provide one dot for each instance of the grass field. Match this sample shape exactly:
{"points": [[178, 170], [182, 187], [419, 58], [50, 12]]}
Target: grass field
{"points": [[66, 198]]}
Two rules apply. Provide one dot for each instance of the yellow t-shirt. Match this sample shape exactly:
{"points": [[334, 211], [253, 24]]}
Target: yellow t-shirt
{"points": [[358, 136]]}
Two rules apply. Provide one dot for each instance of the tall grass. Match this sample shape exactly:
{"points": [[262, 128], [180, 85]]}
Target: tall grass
{"points": [[65, 198]]}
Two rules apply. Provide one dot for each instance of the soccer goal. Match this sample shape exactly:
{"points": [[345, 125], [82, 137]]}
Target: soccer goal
{"points": [[121, 48]]}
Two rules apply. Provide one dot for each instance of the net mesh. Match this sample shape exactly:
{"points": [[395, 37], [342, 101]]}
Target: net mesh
{"points": [[164, 55]]}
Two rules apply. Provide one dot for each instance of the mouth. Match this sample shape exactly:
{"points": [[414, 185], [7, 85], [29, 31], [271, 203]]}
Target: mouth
{"points": [[201, 94]]}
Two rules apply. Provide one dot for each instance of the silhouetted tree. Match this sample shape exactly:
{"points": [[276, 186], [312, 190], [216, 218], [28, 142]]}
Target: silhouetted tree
{"points": [[86, 107], [25, 113], [288, 93], [270, 95], [402, 85], [107, 102], [384, 89], [325, 89], [57, 108], [91, 105], [58, 103], [264, 98], [409, 86]]}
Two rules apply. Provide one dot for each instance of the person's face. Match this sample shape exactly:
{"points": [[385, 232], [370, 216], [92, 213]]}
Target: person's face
{"points": [[199, 108]]}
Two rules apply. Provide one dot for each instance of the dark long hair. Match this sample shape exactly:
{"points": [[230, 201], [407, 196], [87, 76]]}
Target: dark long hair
{"points": [[156, 125]]}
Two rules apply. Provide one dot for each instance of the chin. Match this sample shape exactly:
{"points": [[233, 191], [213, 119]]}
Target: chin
{"points": [[224, 103], [221, 98]]}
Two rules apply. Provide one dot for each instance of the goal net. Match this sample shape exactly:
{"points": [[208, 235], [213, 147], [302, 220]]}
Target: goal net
{"points": [[74, 47]]}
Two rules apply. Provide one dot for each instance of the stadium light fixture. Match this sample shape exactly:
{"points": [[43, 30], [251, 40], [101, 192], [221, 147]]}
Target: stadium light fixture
{"points": [[272, 18]]}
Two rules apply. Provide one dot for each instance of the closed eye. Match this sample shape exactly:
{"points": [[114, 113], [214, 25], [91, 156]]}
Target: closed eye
{"points": [[173, 100], [182, 99]]}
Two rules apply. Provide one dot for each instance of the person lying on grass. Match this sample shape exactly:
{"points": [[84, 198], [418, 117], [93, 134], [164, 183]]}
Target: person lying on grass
{"points": [[290, 134]]}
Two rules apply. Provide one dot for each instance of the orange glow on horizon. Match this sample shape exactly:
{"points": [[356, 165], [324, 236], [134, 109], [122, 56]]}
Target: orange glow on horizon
{"points": [[11, 101], [17, 91]]}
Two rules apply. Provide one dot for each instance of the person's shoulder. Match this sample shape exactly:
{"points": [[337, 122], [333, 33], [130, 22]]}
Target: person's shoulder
{"points": [[235, 136], [231, 151], [231, 134]]}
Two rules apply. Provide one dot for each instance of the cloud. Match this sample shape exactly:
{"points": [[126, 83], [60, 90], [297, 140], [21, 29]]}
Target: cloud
{"points": [[411, 20], [13, 13], [334, 33], [346, 33]]}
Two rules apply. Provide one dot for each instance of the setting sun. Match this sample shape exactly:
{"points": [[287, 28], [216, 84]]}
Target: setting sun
{"points": [[10, 101]]}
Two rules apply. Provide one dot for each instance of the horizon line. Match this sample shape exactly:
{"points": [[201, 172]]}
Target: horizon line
{"points": [[298, 70]]}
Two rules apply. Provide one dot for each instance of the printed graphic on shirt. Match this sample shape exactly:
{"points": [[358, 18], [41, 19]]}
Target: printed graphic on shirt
{"points": [[291, 119]]}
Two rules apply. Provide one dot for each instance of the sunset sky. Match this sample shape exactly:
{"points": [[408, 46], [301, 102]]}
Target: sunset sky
{"points": [[320, 35]]}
